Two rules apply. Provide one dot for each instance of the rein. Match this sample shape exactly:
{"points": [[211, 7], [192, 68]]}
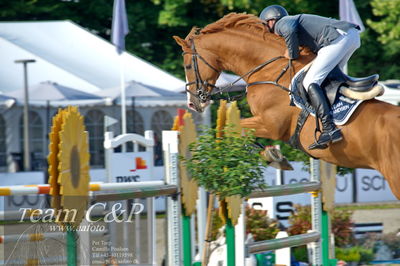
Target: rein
{"points": [[204, 94]]}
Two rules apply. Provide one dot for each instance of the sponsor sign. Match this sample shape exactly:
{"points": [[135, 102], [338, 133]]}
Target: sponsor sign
{"points": [[372, 186], [344, 189], [131, 166]]}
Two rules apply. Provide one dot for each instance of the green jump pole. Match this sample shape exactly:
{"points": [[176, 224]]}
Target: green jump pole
{"points": [[71, 247], [230, 242], [187, 241], [325, 237], [325, 240]]}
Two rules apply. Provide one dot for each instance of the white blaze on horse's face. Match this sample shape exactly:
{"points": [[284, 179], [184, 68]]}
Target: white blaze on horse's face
{"points": [[188, 94], [191, 100]]}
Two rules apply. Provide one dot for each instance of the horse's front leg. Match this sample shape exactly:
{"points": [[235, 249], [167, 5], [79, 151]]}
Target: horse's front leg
{"points": [[272, 155], [268, 126], [256, 123]]}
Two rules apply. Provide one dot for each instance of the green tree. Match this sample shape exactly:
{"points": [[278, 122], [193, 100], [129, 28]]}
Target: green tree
{"points": [[373, 56], [388, 26], [227, 165], [152, 24]]}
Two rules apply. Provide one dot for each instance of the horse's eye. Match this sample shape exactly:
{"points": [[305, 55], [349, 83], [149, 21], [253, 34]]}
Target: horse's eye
{"points": [[188, 67]]}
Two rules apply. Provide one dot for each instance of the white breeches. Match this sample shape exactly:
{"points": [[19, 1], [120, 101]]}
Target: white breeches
{"points": [[337, 53]]}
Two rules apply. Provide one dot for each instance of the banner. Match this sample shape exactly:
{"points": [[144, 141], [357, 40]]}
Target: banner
{"points": [[131, 167]]}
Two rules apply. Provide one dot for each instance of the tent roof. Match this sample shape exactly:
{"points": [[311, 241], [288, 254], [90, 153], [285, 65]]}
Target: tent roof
{"points": [[67, 53], [52, 91], [138, 89], [225, 79], [54, 94], [144, 95], [392, 83], [6, 101]]}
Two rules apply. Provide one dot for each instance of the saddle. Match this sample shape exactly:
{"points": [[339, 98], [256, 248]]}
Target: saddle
{"points": [[337, 82], [353, 88], [343, 92]]}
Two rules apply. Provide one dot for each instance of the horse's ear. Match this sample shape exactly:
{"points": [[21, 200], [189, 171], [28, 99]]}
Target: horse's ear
{"points": [[181, 42]]}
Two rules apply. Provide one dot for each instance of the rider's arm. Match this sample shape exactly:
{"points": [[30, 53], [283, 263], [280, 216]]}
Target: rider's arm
{"points": [[288, 29]]}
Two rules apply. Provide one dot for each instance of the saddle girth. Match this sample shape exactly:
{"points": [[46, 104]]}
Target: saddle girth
{"points": [[294, 140]]}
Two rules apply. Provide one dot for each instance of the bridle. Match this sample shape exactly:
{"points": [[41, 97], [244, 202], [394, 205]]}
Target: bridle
{"points": [[202, 86], [203, 93]]}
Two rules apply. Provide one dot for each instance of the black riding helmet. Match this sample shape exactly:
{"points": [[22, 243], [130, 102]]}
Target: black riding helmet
{"points": [[273, 12]]}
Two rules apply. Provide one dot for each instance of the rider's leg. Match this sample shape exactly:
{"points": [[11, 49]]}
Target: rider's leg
{"points": [[329, 131], [328, 57], [354, 44]]}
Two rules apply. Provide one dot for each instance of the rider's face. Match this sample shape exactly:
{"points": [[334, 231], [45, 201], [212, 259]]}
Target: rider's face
{"points": [[270, 25]]}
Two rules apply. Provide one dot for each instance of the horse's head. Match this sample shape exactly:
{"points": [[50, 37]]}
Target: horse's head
{"points": [[236, 42], [201, 70]]}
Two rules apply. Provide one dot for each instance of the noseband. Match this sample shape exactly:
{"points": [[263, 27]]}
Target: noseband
{"points": [[203, 93]]}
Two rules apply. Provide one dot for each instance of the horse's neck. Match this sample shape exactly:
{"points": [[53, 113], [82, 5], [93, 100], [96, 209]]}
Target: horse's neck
{"points": [[241, 54], [237, 52]]}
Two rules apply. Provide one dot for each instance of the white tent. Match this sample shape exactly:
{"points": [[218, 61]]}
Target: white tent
{"points": [[54, 94], [225, 80], [68, 54], [144, 95], [6, 101], [391, 95]]}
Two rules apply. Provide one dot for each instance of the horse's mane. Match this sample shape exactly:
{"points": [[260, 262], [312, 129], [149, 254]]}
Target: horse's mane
{"points": [[240, 21]]}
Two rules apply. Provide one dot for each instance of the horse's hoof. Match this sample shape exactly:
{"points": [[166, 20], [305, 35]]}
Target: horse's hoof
{"points": [[275, 158], [283, 165]]}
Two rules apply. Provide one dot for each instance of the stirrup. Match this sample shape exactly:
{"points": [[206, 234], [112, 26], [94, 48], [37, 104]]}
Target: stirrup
{"points": [[324, 144], [318, 146]]}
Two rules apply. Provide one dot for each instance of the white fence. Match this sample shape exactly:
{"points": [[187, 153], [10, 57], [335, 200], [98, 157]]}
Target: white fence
{"points": [[370, 187]]}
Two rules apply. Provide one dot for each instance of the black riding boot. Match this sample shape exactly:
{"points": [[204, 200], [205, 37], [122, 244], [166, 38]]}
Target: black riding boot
{"points": [[329, 131]]}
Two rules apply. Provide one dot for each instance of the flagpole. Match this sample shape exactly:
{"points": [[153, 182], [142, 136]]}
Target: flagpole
{"points": [[348, 12], [125, 237], [123, 97], [119, 30]]}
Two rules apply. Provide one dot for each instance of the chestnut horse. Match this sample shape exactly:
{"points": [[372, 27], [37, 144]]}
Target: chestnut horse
{"points": [[239, 43]]}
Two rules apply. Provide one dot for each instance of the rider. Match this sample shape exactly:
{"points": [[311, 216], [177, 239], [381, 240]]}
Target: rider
{"points": [[334, 42]]}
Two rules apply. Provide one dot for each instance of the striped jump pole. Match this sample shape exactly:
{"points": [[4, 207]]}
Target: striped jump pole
{"points": [[37, 237], [24, 190], [45, 188], [55, 260], [290, 189]]}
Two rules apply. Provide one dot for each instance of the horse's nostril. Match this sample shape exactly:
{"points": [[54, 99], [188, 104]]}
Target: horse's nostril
{"points": [[191, 105]]}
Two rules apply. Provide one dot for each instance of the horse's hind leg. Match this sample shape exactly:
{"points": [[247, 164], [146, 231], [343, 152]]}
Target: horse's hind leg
{"points": [[389, 165], [392, 175]]}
